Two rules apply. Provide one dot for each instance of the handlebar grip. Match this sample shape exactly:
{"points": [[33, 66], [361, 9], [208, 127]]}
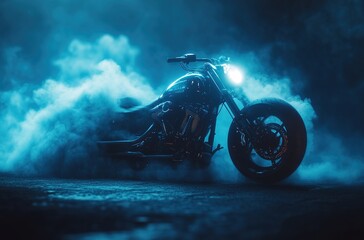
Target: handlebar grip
{"points": [[176, 59]]}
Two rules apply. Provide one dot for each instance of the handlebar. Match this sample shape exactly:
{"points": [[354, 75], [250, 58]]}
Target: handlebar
{"points": [[187, 58]]}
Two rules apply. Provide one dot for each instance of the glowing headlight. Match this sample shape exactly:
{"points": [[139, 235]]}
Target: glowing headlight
{"points": [[234, 74]]}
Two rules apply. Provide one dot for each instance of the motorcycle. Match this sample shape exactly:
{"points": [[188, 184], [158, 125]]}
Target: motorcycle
{"points": [[266, 140]]}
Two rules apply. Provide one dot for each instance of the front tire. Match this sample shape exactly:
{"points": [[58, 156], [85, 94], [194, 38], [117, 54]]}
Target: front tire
{"points": [[279, 143]]}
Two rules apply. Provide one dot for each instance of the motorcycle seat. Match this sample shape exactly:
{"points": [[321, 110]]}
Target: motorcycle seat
{"points": [[134, 120], [131, 106]]}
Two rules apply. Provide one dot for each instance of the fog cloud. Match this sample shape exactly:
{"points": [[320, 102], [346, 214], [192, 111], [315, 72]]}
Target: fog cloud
{"points": [[54, 129]]}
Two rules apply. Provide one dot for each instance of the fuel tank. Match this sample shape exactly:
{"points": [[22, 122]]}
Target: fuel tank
{"points": [[190, 88]]}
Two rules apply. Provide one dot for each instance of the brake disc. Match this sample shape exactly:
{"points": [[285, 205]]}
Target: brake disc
{"points": [[277, 144]]}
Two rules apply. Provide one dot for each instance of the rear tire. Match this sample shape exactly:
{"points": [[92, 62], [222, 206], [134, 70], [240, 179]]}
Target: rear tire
{"points": [[271, 160]]}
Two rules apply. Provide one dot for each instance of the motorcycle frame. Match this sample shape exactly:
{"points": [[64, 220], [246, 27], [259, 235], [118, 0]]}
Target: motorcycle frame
{"points": [[211, 72]]}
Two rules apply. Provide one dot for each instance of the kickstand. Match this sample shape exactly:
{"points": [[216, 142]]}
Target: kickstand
{"points": [[218, 148]]}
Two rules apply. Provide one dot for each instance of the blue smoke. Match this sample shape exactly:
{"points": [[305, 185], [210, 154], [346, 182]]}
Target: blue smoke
{"points": [[56, 86]]}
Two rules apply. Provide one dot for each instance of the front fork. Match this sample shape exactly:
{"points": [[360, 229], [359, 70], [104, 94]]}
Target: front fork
{"points": [[244, 126], [241, 121]]}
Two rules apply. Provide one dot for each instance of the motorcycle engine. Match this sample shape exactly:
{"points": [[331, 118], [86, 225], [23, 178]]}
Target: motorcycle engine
{"points": [[184, 121]]}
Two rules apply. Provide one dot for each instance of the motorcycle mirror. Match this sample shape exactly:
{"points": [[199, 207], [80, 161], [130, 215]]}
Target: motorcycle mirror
{"points": [[224, 59]]}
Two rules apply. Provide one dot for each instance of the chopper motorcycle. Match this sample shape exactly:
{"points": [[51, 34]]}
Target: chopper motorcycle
{"points": [[266, 140]]}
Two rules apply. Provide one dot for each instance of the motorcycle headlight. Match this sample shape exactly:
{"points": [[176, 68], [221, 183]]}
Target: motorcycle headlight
{"points": [[234, 74]]}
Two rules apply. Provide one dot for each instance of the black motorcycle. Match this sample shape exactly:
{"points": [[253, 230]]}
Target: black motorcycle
{"points": [[266, 140]]}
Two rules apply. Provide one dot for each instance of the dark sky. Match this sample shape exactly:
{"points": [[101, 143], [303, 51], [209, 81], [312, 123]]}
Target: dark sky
{"points": [[317, 44]]}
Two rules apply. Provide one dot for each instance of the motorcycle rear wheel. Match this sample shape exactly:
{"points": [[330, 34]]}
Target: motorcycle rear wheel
{"points": [[281, 143]]}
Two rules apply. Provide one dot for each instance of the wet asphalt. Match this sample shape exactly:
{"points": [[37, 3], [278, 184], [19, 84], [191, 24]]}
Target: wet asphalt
{"points": [[34, 208]]}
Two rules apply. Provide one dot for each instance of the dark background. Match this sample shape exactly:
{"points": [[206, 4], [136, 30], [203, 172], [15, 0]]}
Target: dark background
{"points": [[318, 45]]}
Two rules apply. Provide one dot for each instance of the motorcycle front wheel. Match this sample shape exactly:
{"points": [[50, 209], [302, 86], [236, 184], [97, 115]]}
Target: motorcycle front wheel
{"points": [[278, 145]]}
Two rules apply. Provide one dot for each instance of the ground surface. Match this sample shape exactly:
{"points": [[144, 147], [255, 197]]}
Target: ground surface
{"points": [[118, 209]]}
